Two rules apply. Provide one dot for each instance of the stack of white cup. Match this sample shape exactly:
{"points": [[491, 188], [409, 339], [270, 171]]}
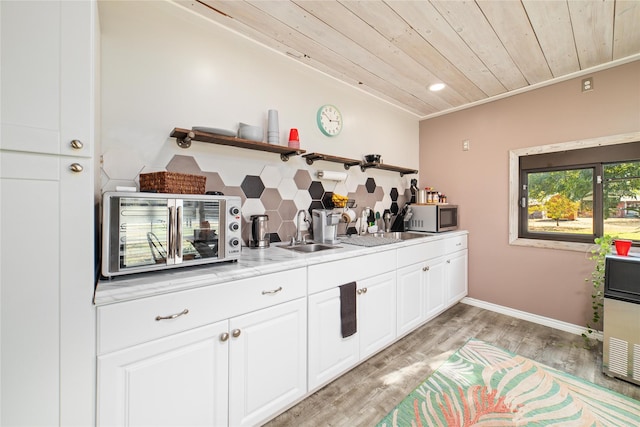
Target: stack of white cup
{"points": [[273, 129]]}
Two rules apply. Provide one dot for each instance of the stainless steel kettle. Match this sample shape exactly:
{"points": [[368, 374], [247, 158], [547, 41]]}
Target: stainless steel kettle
{"points": [[260, 235]]}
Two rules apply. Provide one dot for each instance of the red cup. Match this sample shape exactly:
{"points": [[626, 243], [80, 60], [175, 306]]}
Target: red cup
{"points": [[294, 138], [622, 247]]}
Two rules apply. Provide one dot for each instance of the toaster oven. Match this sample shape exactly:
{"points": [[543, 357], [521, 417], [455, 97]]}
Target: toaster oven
{"points": [[150, 231]]}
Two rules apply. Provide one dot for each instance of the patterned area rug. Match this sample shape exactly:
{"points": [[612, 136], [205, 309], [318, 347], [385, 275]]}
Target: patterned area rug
{"points": [[481, 385]]}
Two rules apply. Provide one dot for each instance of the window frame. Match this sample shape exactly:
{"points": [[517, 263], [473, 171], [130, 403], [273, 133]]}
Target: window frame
{"points": [[515, 190]]}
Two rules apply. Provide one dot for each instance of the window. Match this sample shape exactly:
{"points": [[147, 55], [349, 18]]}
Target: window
{"points": [[576, 194]]}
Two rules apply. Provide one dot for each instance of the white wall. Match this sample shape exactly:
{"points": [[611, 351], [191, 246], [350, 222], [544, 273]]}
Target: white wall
{"points": [[165, 67]]}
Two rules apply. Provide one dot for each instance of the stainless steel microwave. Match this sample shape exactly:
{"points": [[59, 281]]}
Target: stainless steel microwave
{"points": [[144, 232], [433, 218]]}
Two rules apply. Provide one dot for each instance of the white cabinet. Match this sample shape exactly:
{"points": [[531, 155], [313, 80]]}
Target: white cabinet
{"points": [[421, 285], [48, 76], [228, 354], [456, 268], [431, 277], [329, 353], [180, 380], [267, 362], [47, 339], [376, 308], [421, 293]]}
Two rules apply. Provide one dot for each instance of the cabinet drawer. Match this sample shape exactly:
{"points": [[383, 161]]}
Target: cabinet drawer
{"points": [[129, 323], [418, 253], [336, 273], [454, 244]]}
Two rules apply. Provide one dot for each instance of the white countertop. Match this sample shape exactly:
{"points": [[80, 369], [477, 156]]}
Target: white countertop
{"points": [[252, 262]]}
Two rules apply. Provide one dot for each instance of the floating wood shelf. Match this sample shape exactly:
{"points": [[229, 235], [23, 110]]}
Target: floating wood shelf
{"points": [[311, 157], [185, 136], [401, 170]]}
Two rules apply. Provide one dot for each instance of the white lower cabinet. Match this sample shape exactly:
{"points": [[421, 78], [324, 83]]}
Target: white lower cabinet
{"points": [[228, 354], [267, 362], [236, 372], [431, 277], [179, 380], [238, 353], [421, 293], [329, 353], [456, 276]]}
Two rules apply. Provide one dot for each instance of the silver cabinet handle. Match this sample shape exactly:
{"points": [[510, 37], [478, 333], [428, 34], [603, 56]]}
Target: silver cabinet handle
{"points": [[173, 316], [275, 291], [236, 333], [459, 244], [425, 268], [359, 291], [448, 261], [76, 144], [76, 167], [364, 290], [224, 336]]}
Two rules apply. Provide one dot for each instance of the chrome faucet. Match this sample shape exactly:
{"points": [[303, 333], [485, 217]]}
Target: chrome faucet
{"points": [[305, 217]]}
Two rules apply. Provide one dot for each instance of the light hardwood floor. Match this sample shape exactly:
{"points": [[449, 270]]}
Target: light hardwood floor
{"points": [[364, 395]]}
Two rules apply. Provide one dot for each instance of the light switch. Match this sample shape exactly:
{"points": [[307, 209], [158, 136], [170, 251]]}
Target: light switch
{"points": [[465, 145]]}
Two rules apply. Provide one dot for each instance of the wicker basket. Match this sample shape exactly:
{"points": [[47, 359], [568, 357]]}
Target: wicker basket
{"points": [[173, 182]]}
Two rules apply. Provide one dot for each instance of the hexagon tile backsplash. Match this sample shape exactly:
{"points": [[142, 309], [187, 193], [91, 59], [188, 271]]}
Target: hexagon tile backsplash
{"points": [[281, 197]]}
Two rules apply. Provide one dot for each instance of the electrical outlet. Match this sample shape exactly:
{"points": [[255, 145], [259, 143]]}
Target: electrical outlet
{"points": [[465, 145], [587, 84]]}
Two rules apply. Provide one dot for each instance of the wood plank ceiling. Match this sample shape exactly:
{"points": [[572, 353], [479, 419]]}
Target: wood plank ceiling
{"points": [[480, 49]]}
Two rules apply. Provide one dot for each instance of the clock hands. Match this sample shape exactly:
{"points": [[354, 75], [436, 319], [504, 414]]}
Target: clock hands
{"points": [[328, 118]]}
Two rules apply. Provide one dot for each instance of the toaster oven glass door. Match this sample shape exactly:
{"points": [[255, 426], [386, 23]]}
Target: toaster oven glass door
{"points": [[201, 224], [158, 231], [144, 232]]}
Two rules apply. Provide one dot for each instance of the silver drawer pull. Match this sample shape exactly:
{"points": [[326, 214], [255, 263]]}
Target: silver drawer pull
{"points": [[224, 336], [173, 316], [236, 333], [275, 291]]}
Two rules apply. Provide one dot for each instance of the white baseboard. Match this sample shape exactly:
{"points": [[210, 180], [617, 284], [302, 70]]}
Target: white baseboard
{"points": [[541, 320]]}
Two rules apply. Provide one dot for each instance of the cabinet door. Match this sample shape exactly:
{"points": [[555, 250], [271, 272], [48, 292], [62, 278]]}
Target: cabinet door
{"points": [[181, 380], [48, 76], [456, 276], [30, 280], [434, 288], [329, 353], [376, 313], [268, 361], [410, 297]]}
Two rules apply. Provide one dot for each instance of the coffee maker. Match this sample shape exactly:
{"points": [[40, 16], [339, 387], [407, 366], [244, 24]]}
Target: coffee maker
{"points": [[325, 225]]}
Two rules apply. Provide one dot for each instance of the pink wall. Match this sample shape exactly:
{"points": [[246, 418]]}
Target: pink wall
{"points": [[546, 282]]}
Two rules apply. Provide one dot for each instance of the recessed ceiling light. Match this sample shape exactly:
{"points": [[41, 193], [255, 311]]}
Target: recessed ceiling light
{"points": [[436, 87]]}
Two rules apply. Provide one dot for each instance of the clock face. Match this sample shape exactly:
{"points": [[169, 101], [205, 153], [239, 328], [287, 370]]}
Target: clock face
{"points": [[329, 120]]}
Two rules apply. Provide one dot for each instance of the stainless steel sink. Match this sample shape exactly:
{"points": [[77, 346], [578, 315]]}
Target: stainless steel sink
{"points": [[402, 235], [309, 247]]}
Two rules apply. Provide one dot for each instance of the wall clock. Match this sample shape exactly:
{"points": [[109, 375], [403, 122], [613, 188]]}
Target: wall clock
{"points": [[329, 120]]}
